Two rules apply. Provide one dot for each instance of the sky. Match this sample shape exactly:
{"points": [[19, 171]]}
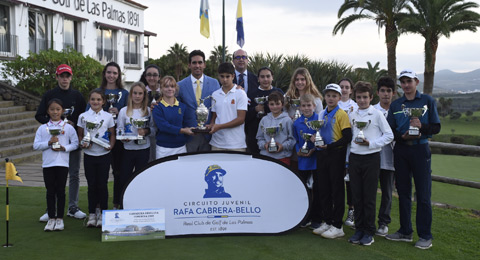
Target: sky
{"points": [[299, 27]]}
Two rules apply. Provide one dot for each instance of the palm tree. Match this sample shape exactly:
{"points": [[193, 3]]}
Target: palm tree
{"points": [[371, 73], [385, 13], [178, 56], [433, 19]]}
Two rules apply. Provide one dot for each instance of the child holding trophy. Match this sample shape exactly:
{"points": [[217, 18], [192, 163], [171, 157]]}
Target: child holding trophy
{"points": [[56, 139], [371, 132], [133, 127], [97, 132], [276, 126]]}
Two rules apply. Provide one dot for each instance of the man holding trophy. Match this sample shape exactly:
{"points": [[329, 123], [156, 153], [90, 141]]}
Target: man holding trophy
{"points": [[412, 157]]}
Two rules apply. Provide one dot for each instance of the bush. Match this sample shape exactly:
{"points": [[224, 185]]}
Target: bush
{"points": [[468, 113], [36, 74], [455, 115]]}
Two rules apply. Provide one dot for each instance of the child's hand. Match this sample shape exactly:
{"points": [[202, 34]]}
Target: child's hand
{"points": [[61, 149], [54, 139], [407, 137], [187, 131], [214, 128], [259, 108], [280, 147], [414, 121], [113, 110], [85, 145], [310, 152], [364, 143], [142, 131]]}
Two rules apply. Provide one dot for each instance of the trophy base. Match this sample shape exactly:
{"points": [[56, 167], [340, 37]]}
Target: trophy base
{"points": [[126, 137], [201, 131], [101, 142], [319, 143], [56, 146], [260, 115], [305, 151], [272, 149], [359, 140], [413, 132], [140, 141]]}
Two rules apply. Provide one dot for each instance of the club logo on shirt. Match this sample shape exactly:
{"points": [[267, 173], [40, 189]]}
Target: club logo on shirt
{"points": [[179, 111], [232, 102]]}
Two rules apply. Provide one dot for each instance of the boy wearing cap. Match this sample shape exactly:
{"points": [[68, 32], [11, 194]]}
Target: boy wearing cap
{"points": [[74, 100], [336, 134], [412, 157], [214, 179]]}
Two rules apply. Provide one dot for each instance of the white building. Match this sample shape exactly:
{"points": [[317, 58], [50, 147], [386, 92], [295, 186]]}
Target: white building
{"points": [[108, 30]]}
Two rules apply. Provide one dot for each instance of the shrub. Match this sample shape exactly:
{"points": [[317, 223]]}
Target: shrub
{"points": [[455, 115], [36, 74], [468, 113]]}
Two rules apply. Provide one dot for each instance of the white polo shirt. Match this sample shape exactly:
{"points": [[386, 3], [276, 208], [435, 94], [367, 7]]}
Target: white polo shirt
{"points": [[226, 106], [107, 121], [123, 123]]}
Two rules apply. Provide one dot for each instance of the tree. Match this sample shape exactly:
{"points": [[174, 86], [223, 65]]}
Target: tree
{"points": [[371, 73], [385, 13], [178, 57], [444, 106], [434, 19]]}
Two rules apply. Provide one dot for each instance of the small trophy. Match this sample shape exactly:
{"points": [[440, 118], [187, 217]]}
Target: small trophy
{"points": [[272, 132], [306, 137], [113, 99], [139, 123], [361, 125], [414, 112], [68, 112], [202, 116], [295, 103], [261, 101], [316, 125], [91, 128], [55, 132]]}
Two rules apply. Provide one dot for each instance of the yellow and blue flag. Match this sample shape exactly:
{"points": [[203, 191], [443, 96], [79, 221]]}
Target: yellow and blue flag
{"points": [[204, 23], [240, 34]]}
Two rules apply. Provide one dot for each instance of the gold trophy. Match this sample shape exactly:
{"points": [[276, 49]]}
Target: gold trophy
{"points": [[414, 112]]}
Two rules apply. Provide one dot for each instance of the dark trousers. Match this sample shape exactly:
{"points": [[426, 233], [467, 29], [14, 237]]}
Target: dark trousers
{"points": [[414, 161], [117, 154], [331, 189], [364, 170], [251, 129], [133, 159], [386, 185], [315, 212], [349, 194], [55, 179], [96, 172]]}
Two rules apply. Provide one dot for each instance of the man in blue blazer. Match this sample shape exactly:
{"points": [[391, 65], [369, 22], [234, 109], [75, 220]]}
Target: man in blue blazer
{"points": [[187, 95], [249, 82]]}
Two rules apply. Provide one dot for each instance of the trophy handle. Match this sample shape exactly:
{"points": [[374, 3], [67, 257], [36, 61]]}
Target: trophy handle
{"points": [[425, 108]]}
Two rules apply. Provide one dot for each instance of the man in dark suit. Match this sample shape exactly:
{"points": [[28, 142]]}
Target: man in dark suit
{"points": [[249, 82], [193, 87]]}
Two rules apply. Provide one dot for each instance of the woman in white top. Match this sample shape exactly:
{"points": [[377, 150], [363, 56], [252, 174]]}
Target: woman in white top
{"points": [[300, 84]]}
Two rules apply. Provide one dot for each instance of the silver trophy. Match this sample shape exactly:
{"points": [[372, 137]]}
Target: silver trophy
{"points": [[202, 113], [113, 98], [414, 112], [55, 132], [68, 112], [272, 131], [316, 125], [91, 127], [361, 125], [261, 101], [306, 137], [295, 103], [140, 123]]}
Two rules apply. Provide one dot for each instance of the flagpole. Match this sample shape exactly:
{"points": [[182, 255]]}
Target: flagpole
{"points": [[223, 32], [7, 210]]}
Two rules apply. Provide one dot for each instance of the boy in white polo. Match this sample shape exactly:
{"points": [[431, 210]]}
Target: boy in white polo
{"points": [[228, 113]]}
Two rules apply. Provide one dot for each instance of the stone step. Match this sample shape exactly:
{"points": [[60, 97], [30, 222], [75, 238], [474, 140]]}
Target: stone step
{"points": [[21, 131], [17, 116], [17, 140], [25, 157], [6, 104], [18, 123], [11, 110], [6, 152]]}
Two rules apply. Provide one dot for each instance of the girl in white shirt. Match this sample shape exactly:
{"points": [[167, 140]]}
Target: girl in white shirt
{"points": [[55, 156], [97, 156]]}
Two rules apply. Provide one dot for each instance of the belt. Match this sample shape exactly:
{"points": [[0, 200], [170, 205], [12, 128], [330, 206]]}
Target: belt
{"points": [[415, 142]]}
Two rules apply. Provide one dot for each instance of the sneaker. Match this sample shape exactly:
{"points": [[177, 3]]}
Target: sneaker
{"points": [[367, 240], [355, 239], [397, 236], [59, 224], [347, 177], [333, 232], [99, 220], [92, 220], [314, 225], [323, 227], [50, 225], [98, 211], [423, 243], [350, 221], [76, 213], [44, 218], [382, 230], [305, 224]]}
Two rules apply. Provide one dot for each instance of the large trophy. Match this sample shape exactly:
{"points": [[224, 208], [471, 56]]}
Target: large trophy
{"points": [[306, 137], [202, 116], [113, 98], [316, 125], [414, 112], [272, 132], [261, 101], [139, 123], [91, 129], [361, 125]]}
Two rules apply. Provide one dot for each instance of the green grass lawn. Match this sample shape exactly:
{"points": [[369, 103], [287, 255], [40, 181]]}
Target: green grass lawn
{"points": [[455, 237], [462, 126]]}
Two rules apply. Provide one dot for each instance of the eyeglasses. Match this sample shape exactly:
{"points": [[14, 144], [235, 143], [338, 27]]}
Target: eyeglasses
{"points": [[241, 57], [152, 75]]}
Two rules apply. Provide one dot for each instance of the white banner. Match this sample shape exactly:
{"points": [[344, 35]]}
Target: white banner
{"points": [[220, 193]]}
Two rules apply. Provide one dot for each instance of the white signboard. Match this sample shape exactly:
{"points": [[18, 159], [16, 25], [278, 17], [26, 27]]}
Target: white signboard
{"points": [[220, 193]]}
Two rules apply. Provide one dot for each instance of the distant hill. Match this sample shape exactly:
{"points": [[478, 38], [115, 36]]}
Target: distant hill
{"points": [[449, 81]]}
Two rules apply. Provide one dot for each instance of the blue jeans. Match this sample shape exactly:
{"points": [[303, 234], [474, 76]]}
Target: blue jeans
{"points": [[74, 179]]}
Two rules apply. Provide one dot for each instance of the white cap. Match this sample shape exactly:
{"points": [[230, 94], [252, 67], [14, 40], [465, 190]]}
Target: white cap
{"points": [[334, 87], [408, 73]]}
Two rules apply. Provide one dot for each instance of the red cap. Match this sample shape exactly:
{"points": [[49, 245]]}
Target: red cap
{"points": [[64, 68]]}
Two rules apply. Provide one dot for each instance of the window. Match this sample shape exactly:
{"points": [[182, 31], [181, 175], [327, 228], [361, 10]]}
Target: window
{"points": [[8, 42], [105, 45], [131, 53], [70, 37], [37, 31]]}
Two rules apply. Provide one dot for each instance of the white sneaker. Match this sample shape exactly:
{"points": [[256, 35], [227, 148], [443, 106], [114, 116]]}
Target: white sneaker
{"points": [[333, 232], [350, 221], [92, 220], [50, 225], [59, 224], [99, 220], [76, 213], [323, 227], [382, 231], [44, 218]]}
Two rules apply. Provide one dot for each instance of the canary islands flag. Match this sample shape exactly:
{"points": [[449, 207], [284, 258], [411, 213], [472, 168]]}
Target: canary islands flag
{"points": [[204, 24], [11, 172], [240, 34]]}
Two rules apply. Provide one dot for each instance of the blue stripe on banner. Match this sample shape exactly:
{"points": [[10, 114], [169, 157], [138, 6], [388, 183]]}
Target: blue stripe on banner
{"points": [[240, 34]]}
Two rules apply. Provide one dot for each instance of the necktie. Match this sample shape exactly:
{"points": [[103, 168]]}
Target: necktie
{"points": [[241, 81], [198, 92]]}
